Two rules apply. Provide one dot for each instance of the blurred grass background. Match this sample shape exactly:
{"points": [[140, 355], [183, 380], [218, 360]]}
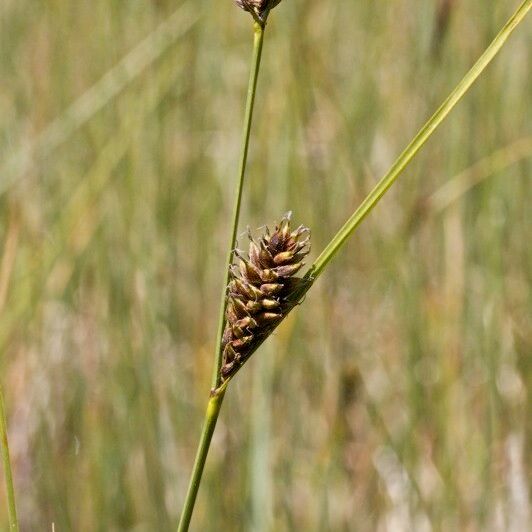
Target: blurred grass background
{"points": [[395, 398]]}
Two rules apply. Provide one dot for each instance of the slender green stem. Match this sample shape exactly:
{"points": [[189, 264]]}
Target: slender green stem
{"points": [[11, 506], [252, 89], [419, 140], [217, 395], [211, 416]]}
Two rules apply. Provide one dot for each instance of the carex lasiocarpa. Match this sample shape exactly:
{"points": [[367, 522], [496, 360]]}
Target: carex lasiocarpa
{"points": [[261, 290]]}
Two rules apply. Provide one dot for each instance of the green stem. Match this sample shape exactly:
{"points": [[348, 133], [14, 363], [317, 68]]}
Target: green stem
{"points": [[252, 88], [419, 140], [11, 506], [217, 395], [211, 416]]}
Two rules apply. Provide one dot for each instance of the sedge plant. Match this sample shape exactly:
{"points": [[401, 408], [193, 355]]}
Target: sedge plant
{"points": [[263, 289]]}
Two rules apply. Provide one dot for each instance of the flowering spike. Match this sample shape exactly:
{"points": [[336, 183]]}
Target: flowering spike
{"points": [[260, 290], [258, 8]]}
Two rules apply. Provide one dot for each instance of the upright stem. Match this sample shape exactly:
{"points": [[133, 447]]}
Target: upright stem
{"points": [[12, 509], [211, 416], [252, 87], [217, 393]]}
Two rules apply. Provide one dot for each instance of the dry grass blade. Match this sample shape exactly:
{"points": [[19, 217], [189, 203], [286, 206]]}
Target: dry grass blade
{"points": [[492, 164]]}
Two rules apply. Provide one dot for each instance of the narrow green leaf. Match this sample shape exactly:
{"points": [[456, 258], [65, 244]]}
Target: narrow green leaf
{"points": [[417, 143]]}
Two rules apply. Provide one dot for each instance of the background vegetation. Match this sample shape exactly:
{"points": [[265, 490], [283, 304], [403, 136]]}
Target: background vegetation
{"points": [[395, 399]]}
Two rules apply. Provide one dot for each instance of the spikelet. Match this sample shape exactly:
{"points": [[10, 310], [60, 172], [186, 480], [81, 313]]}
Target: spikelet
{"points": [[257, 7], [260, 290]]}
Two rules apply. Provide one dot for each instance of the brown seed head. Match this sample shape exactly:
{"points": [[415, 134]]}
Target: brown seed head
{"points": [[260, 289], [259, 8]]}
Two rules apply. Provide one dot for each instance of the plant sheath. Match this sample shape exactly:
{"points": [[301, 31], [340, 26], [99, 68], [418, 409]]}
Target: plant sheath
{"points": [[11, 506], [211, 416]]}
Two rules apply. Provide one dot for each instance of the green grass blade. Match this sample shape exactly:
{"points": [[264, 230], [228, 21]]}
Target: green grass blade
{"points": [[11, 506], [417, 143]]}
